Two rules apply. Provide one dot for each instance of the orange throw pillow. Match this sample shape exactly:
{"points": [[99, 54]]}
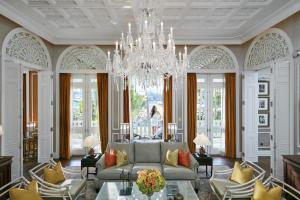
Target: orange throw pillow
{"points": [[110, 158], [184, 158]]}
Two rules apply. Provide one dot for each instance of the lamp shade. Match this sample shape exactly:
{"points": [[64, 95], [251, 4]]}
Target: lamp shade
{"points": [[90, 141], [202, 139]]}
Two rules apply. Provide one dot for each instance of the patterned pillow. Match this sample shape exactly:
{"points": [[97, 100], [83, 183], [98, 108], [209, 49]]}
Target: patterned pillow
{"points": [[172, 158], [122, 158]]}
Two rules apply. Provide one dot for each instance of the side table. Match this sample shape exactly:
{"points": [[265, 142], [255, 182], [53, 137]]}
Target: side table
{"points": [[205, 160], [90, 161]]}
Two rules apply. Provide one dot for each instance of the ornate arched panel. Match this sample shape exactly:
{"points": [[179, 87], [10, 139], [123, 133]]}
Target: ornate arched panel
{"points": [[271, 45], [213, 58], [23, 46], [82, 59]]}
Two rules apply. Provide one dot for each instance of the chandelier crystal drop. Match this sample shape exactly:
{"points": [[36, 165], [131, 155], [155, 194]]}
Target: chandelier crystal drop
{"points": [[150, 58]]}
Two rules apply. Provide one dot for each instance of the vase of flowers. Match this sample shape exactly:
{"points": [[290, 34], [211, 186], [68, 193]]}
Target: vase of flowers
{"points": [[150, 181]]}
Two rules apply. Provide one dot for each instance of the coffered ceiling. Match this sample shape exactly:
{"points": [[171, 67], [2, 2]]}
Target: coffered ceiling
{"points": [[102, 21]]}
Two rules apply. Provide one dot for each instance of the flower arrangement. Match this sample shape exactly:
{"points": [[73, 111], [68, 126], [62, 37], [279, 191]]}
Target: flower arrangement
{"points": [[150, 181]]}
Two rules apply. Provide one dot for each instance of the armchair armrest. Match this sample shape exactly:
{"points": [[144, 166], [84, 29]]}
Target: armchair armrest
{"points": [[193, 164], [100, 165]]}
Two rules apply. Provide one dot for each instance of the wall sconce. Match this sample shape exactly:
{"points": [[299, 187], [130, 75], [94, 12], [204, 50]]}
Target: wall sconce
{"points": [[172, 130]]}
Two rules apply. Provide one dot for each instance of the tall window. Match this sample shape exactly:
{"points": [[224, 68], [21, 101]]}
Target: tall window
{"points": [[84, 111], [211, 110], [146, 112]]}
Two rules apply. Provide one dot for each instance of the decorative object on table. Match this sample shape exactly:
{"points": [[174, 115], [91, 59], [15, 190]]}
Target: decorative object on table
{"points": [[204, 161], [172, 130], [150, 181], [126, 184], [150, 58], [178, 196], [90, 161], [90, 142], [172, 190], [263, 88], [263, 103], [202, 140], [124, 131], [263, 120]]}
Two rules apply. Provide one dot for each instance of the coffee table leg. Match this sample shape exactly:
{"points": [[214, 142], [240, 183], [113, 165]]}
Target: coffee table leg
{"points": [[87, 173], [211, 170], [206, 169]]}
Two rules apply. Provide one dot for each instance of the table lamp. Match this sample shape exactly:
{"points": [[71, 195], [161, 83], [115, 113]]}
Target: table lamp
{"points": [[90, 142], [202, 140]]}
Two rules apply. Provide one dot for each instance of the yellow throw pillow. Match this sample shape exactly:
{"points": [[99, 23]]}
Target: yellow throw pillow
{"points": [[172, 158], [241, 175], [21, 194], [122, 158], [55, 175], [261, 193]]}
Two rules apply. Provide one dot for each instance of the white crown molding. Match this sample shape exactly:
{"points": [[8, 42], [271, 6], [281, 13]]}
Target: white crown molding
{"points": [[12, 14], [281, 14]]}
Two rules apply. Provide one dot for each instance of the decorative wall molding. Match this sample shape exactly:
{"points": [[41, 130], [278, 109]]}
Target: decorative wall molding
{"points": [[26, 48], [273, 44], [212, 58], [82, 59]]}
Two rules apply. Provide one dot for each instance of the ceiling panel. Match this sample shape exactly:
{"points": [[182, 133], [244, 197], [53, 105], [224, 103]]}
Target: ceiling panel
{"points": [[77, 21]]}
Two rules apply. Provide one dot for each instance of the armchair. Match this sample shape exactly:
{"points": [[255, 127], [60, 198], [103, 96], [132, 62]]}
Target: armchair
{"points": [[71, 188], [224, 188]]}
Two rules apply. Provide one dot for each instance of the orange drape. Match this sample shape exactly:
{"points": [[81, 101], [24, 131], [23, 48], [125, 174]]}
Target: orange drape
{"points": [[102, 82], [64, 115], [33, 96], [24, 106], [126, 118], [126, 103], [191, 109], [230, 119], [167, 106]]}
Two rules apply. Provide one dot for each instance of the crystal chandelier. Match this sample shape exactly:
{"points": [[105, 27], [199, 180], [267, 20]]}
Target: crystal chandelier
{"points": [[150, 58]]}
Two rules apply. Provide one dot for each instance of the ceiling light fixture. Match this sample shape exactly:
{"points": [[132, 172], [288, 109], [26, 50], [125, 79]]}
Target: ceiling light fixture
{"points": [[150, 58]]}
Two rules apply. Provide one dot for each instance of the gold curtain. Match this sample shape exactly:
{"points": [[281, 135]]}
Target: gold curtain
{"points": [[167, 106], [230, 119], [126, 103], [191, 109], [24, 106], [64, 115], [102, 82], [33, 96]]}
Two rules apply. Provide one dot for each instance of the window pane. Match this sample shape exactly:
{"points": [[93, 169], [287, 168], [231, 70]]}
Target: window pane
{"points": [[147, 112], [77, 107], [94, 108]]}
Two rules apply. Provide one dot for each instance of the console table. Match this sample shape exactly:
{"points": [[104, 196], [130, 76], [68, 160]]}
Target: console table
{"points": [[5, 170], [291, 165]]}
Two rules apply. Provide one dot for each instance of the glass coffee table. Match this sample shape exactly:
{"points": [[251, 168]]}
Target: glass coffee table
{"points": [[110, 191]]}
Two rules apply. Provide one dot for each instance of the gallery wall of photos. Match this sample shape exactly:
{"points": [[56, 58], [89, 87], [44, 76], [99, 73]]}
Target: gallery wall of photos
{"points": [[263, 114]]}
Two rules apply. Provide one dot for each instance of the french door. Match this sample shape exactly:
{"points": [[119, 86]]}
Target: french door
{"points": [[84, 111], [211, 110]]}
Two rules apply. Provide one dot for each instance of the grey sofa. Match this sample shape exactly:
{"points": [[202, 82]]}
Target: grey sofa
{"points": [[147, 155]]}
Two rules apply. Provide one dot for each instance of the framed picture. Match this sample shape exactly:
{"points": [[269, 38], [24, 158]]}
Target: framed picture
{"points": [[263, 120], [263, 88], [263, 103]]}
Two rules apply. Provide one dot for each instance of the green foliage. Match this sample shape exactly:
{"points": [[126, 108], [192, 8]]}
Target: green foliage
{"points": [[138, 102]]}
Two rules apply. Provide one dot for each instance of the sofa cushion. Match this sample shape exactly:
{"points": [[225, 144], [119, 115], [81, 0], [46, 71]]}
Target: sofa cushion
{"points": [[220, 185], [147, 152], [140, 166], [128, 147], [178, 173], [113, 173], [171, 146]]}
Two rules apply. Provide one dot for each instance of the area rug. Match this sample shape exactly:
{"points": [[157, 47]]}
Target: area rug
{"points": [[204, 192]]}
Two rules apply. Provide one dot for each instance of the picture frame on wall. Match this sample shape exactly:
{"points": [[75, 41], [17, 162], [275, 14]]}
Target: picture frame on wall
{"points": [[263, 120], [263, 103], [263, 88]]}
